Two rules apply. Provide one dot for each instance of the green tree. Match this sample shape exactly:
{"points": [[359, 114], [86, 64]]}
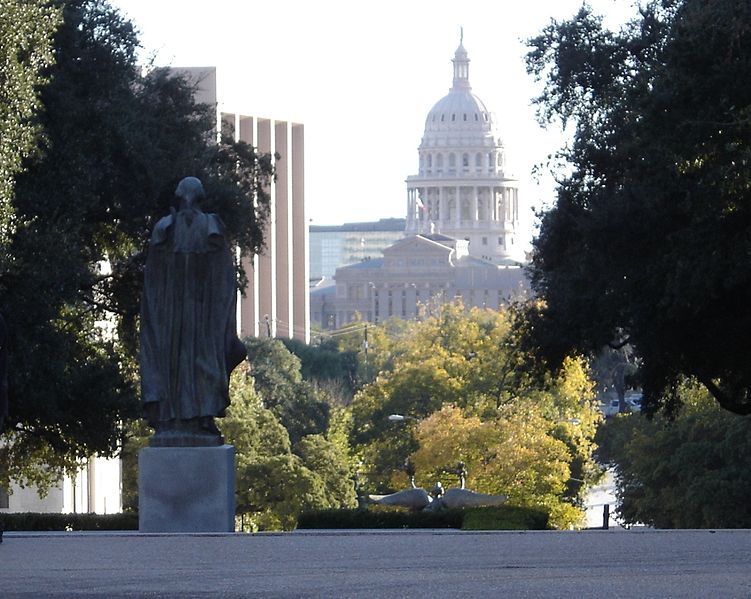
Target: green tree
{"points": [[275, 482], [26, 29], [649, 240], [276, 372], [326, 366], [689, 472], [329, 463], [116, 143]]}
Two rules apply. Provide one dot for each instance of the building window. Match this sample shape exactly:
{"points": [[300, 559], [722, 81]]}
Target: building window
{"points": [[465, 160], [465, 116], [4, 499], [453, 117], [452, 160], [484, 241], [500, 241], [478, 159]]}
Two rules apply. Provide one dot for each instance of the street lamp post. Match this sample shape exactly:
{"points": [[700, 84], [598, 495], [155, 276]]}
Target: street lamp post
{"points": [[401, 418]]}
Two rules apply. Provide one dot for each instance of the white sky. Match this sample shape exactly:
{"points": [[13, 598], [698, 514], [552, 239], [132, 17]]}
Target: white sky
{"points": [[362, 77]]}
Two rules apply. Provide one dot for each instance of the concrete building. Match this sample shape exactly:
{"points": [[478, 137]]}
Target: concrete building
{"points": [[276, 301], [350, 243], [95, 487], [462, 226]]}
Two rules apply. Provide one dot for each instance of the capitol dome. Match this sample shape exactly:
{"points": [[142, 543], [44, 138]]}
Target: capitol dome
{"points": [[460, 117], [462, 189]]}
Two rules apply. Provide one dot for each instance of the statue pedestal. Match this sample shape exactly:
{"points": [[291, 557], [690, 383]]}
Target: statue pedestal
{"points": [[186, 489]]}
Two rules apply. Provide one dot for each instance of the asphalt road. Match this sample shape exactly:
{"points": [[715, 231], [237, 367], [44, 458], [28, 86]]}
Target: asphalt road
{"points": [[379, 564]]}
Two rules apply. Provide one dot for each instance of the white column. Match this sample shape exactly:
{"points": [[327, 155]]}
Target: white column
{"points": [[458, 192], [475, 216]]}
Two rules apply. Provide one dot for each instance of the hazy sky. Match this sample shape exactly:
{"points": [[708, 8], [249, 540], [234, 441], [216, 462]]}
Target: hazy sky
{"points": [[362, 77]]}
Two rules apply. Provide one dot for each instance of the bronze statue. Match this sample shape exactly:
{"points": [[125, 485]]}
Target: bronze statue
{"points": [[189, 343]]}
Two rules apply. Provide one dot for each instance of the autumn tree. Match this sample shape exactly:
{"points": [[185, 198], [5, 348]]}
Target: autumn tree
{"points": [[461, 380]]}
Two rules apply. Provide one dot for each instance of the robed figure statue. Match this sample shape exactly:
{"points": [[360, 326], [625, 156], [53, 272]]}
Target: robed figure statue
{"points": [[189, 343]]}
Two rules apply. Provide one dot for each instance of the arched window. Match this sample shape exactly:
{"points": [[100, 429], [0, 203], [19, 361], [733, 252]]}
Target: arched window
{"points": [[430, 160], [478, 159], [439, 160], [452, 161], [465, 160], [491, 160]]}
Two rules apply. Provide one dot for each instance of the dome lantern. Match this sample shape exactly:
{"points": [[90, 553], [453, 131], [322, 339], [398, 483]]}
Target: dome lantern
{"points": [[461, 66]]}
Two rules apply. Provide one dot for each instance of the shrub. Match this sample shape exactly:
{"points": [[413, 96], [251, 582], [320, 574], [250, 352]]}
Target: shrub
{"points": [[488, 518], [505, 517], [42, 521]]}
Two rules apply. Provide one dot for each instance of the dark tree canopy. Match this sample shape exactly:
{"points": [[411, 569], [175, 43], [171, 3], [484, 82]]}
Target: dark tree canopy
{"points": [[278, 380], [689, 472], [115, 144], [649, 241]]}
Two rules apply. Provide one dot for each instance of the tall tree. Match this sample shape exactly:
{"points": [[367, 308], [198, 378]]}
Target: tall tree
{"points": [[649, 241], [275, 482], [688, 472], [116, 142], [279, 382], [26, 30]]}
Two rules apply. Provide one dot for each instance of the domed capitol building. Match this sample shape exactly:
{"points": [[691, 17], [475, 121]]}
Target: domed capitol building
{"points": [[461, 237]]}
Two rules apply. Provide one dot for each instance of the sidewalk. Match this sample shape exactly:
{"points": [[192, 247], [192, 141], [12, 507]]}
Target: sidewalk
{"points": [[378, 564]]}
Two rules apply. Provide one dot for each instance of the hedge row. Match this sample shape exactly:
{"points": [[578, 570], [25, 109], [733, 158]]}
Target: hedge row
{"points": [[487, 518], [37, 521]]}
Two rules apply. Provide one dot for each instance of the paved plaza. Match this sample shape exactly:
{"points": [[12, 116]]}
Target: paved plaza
{"points": [[379, 564]]}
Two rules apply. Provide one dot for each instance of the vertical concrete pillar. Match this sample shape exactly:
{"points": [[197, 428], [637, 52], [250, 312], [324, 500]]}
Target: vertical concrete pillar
{"points": [[300, 237], [249, 318], [283, 229], [267, 259]]}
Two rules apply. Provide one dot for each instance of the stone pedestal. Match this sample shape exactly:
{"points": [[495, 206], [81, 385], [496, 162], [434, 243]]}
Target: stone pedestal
{"points": [[186, 489]]}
